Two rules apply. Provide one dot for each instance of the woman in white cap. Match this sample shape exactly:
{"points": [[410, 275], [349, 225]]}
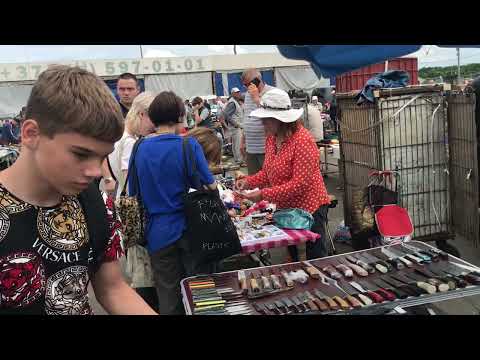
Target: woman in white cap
{"points": [[290, 176]]}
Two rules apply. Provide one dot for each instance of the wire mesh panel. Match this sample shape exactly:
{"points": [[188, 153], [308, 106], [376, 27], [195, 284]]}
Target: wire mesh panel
{"points": [[359, 150], [464, 165], [413, 141]]}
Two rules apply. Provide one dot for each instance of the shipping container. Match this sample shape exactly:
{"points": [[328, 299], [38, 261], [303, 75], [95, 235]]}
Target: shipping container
{"points": [[356, 80]]}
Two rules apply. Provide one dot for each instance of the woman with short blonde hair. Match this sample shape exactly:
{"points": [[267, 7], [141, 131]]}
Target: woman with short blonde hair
{"points": [[137, 124]]}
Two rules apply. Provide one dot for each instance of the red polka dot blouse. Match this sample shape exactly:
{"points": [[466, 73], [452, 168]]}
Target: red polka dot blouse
{"points": [[291, 178]]}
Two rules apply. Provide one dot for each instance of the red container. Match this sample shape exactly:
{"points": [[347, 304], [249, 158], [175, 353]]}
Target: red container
{"points": [[356, 80]]}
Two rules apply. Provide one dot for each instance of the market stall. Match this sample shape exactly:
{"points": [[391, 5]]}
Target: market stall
{"points": [[373, 281]]}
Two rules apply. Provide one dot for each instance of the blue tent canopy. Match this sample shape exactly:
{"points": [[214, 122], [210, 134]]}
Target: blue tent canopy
{"points": [[332, 60]]}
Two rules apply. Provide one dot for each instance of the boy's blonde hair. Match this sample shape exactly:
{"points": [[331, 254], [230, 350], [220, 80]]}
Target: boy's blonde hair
{"points": [[141, 103], [70, 99]]}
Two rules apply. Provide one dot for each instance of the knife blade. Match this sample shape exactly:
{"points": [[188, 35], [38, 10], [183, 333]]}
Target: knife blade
{"points": [[442, 287], [433, 276], [407, 255], [430, 289], [394, 255], [377, 298], [397, 264], [459, 282], [289, 304], [298, 303], [322, 306], [357, 269], [330, 302], [350, 299], [364, 300], [398, 292], [307, 302], [273, 309], [387, 295], [260, 308], [416, 252], [281, 307], [360, 263], [380, 265], [412, 290]]}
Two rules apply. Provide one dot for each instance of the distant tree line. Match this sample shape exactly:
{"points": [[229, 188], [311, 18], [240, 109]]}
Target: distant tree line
{"points": [[449, 73]]}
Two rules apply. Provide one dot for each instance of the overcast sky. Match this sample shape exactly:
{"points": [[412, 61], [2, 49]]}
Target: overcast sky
{"points": [[428, 55]]}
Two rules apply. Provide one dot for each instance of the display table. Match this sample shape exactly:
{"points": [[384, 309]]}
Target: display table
{"points": [[295, 237], [402, 287]]}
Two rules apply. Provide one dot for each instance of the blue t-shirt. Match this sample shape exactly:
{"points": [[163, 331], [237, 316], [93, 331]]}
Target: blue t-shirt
{"points": [[160, 167]]}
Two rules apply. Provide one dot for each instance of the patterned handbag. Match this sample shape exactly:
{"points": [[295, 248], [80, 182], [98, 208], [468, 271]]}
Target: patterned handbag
{"points": [[130, 208]]}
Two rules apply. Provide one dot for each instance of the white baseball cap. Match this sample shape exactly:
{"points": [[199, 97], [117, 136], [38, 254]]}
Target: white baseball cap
{"points": [[234, 90], [314, 97], [276, 104]]}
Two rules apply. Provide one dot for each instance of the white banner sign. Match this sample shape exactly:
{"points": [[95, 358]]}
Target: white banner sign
{"points": [[28, 72]]}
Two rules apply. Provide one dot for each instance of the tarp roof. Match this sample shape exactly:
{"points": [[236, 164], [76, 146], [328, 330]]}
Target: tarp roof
{"points": [[332, 60]]}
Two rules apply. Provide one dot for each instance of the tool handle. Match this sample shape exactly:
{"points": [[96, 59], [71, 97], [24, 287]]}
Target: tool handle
{"points": [[400, 294], [388, 295], [414, 258], [365, 266], [459, 282], [243, 285], [387, 265], [397, 264], [345, 270], [381, 268], [312, 305], [358, 270], [331, 303], [332, 272], [276, 281], [472, 279], [442, 287], [320, 304], [365, 299], [354, 302], [254, 285], [312, 271], [377, 298], [287, 279], [343, 304], [266, 283], [427, 287], [405, 261]]}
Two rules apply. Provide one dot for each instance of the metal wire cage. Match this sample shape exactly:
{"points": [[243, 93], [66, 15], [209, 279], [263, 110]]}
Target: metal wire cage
{"points": [[408, 133]]}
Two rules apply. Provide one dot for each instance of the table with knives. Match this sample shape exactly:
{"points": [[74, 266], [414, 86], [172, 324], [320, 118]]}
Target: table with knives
{"points": [[372, 281]]}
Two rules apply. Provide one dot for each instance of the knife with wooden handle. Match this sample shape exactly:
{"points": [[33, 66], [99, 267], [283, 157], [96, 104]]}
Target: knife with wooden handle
{"points": [[353, 295], [320, 304], [312, 270], [394, 255], [265, 282], [330, 302], [411, 290], [254, 284], [394, 262], [276, 281], [287, 278], [398, 292], [350, 299], [242, 279]]}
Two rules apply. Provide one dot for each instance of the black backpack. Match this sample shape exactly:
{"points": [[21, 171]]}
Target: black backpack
{"points": [[96, 217]]}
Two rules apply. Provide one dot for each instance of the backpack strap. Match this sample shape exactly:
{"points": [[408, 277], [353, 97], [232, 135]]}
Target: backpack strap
{"points": [[96, 217]]}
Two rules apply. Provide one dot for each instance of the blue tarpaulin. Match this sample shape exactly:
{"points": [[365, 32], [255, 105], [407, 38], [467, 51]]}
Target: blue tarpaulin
{"points": [[333, 60]]}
